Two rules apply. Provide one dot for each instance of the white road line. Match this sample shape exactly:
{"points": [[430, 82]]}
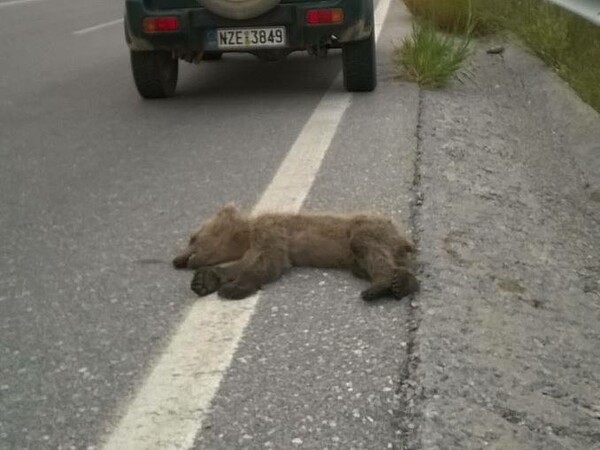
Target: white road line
{"points": [[297, 172], [169, 408], [98, 27], [17, 2]]}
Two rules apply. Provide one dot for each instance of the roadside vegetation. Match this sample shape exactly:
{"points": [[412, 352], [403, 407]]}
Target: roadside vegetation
{"points": [[430, 58], [567, 43]]}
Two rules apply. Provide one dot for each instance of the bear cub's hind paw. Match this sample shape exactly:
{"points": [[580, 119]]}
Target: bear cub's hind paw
{"points": [[404, 283]]}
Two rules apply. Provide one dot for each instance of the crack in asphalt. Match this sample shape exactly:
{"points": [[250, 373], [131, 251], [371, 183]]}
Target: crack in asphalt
{"points": [[406, 416]]}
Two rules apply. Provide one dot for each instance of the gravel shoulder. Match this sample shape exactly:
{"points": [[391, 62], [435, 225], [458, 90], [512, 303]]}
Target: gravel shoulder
{"points": [[506, 354]]}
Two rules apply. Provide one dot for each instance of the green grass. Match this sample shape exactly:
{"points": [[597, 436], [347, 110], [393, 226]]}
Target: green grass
{"points": [[567, 43], [448, 15], [429, 57]]}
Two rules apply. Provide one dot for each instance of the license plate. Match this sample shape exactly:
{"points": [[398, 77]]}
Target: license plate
{"points": [[230, 38]]}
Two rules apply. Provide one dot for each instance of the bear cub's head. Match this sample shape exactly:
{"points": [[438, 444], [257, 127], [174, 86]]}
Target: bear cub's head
{"points": [[222, 238]]}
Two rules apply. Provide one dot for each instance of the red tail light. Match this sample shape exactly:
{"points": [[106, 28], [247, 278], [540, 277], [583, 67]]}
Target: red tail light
{"points": [[161, 24], [323, 16]]}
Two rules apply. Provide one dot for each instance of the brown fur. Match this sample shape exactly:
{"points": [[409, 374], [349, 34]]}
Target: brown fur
{"points": [[259, 249]]}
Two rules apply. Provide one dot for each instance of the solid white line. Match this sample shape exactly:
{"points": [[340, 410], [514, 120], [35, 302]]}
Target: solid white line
{"points": [[168, 410], [98, 27], [295, 176], [17, 2]]}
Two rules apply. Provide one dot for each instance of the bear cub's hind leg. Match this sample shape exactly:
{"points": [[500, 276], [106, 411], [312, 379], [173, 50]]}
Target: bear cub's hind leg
{"points": [[375, 247]]}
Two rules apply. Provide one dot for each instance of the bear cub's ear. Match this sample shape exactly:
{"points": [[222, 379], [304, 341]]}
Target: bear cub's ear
{"points": [[228, 210]]}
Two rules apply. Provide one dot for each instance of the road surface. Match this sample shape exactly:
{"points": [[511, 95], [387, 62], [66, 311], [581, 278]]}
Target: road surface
{"points": [[495, 179]]}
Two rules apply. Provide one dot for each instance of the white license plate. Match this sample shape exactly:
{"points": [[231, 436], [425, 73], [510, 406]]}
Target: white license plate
{"points": [[228, 38]]}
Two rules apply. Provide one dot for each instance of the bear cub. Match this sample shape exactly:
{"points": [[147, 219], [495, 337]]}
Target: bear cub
{"points": [[235, 254]]}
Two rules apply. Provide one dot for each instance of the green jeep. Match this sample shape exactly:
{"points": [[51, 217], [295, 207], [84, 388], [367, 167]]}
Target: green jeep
{"points": [[161, 32]]}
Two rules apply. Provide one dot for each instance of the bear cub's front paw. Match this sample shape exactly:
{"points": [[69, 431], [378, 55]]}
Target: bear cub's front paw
{"points": [[205, 281]]}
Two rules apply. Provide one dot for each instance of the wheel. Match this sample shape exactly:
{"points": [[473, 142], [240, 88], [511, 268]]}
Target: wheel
{"points": [[359, 64], [239, 9], [155, 73], [212, 56]]}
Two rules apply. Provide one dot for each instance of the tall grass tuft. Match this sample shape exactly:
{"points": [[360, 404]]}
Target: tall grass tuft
{"points": [[568, 43], [430, 58], [454, 16], [448, 15]]}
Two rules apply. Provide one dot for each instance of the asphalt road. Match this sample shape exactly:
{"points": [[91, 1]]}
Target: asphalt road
{"points": [[99, 188], [494, 179]]}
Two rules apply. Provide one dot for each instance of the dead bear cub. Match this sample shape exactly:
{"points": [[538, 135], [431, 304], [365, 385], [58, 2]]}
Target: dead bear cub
{"points": [[259, 249]]}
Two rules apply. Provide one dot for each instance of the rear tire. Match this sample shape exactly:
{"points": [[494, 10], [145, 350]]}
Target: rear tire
{"points": [[155, 73], [360, 65]]}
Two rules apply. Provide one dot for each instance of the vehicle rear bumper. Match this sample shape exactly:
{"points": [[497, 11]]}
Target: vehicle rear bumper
{"points": [[198, 25]]}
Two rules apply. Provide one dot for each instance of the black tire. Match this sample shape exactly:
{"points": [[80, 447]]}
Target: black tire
{"points": [[212, 56], [155, 73], [360, 65]]}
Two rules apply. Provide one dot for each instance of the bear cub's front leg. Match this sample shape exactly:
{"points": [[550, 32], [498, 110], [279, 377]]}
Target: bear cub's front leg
{"points": [[224, 280], [234, 290]]}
